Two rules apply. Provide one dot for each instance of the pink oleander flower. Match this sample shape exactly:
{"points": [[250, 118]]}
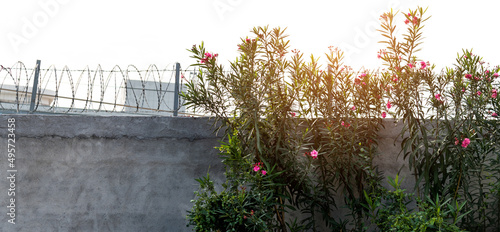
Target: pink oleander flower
{"points": [[256, 166], [465, 143], [379, 56], [487, 72], [494, 114], [395, 79], [208, 56], [407, 21], [357, 81], [363, 83], [264, 172], [345, 124], [415, 20], [293, 114], [353, 108], [456, 141], [389, 104], [411, 65], [314, 154], [468, 76], [423, 64], [495, 75], [494, 95], [384, 114], [438, 96], [463, 89], [479, 93], [362, 75]]}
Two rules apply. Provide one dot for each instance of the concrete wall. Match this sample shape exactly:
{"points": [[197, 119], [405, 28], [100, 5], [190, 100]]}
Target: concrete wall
{"points": [[83, 173], [115, 173]]}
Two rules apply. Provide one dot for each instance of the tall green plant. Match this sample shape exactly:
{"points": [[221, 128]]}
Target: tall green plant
{"points": [[317, 128], [299, 117], [448, 118]]}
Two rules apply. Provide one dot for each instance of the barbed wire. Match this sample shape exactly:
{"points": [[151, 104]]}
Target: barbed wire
{"points": [[130, 90]]}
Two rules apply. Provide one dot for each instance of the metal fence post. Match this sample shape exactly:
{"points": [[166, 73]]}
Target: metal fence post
{"points": [[176, 90], [35, 87]]}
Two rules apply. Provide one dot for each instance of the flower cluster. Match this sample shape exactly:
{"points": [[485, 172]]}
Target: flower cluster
{"points": [[414, 20], [381, 53], [423, 64], [345, 124], [465, 143], [313, 154], [208, 56], [358, 79], [257, 167]]}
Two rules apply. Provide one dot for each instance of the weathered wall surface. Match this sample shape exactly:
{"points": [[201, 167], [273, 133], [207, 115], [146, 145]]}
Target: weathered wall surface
{"points": [[84, 173], [116, 173]]}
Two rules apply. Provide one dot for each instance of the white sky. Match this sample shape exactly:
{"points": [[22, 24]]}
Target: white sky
{"points": [[110, 32]]}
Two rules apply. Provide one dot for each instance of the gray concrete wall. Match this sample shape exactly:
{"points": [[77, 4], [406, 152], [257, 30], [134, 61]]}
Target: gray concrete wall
{"points": [[83, 173], [115, 173]]}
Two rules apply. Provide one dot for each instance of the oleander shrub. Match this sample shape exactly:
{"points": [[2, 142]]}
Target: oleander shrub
{"points": [[301, 137], [451, 122]]}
